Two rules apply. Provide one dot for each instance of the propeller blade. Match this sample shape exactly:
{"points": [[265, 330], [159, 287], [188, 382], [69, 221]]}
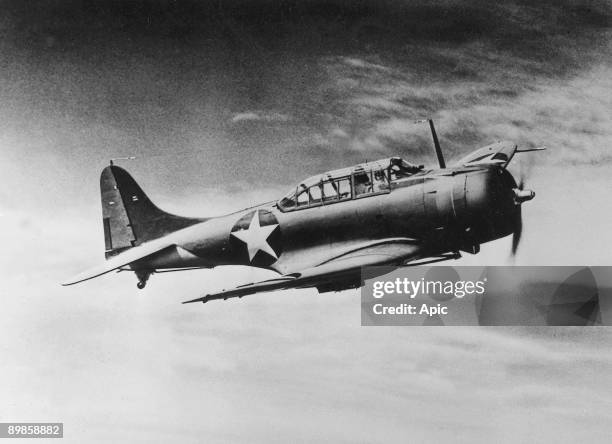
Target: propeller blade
{"points": [[525, 170], [518, 231]]}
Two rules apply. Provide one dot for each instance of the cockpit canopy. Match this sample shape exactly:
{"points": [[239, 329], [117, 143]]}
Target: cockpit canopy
{"points": [[347, 183]]}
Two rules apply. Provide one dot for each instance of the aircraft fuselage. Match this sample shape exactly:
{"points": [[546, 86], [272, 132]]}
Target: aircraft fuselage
{"points": [[444, 210]]}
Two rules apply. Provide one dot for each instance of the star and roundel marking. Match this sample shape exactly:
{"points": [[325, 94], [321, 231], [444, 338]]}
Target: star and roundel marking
{"points": [[255, 239]]}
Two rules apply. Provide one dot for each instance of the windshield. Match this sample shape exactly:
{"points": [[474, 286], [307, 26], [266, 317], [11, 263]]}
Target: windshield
{"points": [[399, 168]]}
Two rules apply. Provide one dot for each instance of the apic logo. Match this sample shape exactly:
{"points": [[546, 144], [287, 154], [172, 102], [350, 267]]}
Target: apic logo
{"points": [[256, 239]]}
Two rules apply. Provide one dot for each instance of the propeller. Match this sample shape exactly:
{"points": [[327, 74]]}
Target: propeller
{"points": [[518, 230], [521, 195]]}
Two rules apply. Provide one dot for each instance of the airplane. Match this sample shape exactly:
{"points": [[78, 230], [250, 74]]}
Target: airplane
{"points": [[326, 228]]}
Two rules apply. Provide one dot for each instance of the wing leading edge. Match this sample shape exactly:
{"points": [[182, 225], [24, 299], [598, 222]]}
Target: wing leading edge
{"points": [[387, 252]]}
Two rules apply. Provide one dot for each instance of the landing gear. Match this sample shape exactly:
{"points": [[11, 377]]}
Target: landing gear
{"points": [[143, 277]]}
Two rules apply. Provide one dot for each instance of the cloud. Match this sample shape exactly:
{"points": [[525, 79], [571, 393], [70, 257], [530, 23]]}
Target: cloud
{"points": [[568, 115], [259, 116], [360, 63], [240, 117]]}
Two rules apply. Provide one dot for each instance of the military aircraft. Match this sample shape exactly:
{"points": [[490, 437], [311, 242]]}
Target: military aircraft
{"points": [[326, 228]]}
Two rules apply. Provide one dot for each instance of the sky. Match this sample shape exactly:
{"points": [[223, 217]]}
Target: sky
{"points": [[228, 104]]}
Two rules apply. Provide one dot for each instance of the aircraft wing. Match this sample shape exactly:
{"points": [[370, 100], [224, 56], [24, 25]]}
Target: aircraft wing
{"points": [[386, 252], [122, 259]]}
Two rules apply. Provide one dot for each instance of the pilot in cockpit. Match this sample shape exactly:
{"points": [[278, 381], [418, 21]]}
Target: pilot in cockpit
{"points": [[399, 168], [363, 184]]}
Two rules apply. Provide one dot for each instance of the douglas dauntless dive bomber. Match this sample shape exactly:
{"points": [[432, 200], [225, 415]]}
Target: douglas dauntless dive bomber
{"points": [[325, 229]]}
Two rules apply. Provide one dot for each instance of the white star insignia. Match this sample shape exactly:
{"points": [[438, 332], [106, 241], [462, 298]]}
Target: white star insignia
{"points": [[256, 237]]}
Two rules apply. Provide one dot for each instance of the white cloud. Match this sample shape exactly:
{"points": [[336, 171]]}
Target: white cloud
{"points": [[361, 63], [251, 116]]}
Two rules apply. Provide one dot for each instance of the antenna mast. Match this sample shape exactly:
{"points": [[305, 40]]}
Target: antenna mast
{"points": [[436, 142], [122, 158]]}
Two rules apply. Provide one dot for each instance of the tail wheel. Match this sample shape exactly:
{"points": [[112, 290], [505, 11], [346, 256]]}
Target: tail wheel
{"points": [[143, 277]]}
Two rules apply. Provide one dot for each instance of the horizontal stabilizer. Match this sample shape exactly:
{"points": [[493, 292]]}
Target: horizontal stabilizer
{"points": [[121, 260]]}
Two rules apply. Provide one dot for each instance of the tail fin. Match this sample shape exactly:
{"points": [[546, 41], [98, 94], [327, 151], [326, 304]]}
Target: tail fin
{"points": [[128, 215]]}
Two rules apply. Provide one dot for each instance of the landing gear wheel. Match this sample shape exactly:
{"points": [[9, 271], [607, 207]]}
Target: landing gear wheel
{"points": [[143, 277]]}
